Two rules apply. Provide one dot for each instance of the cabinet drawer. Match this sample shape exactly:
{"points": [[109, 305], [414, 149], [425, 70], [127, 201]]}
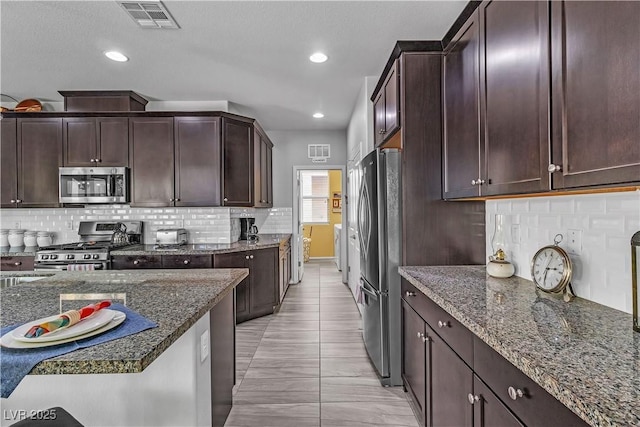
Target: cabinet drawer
{"points": [[458, 337], [186, 261], [16, 263], [130, 262], [536, 406]]}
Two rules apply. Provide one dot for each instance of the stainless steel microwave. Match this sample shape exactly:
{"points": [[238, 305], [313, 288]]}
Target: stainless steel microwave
{"points": [[94, 185]]}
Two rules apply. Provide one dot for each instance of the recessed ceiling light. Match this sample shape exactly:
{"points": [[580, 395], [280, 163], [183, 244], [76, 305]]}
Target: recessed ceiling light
{"points": [[116, 56], [318, 115], [318, 57]]}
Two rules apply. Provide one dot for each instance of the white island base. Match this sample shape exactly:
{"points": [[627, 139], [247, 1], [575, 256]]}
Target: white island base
{"points": [[174, 390]]}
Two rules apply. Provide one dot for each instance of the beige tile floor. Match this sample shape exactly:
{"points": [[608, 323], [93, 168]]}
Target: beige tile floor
{"points": [[307, 366]]}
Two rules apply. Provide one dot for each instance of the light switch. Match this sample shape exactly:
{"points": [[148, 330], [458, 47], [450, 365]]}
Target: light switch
{"points": [[204, 346]]}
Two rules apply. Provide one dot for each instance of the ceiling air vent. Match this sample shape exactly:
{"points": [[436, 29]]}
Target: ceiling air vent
{"points": [[319, 153], [149, 14]]}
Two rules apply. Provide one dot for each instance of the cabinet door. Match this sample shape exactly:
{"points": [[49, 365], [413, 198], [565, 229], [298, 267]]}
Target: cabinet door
{"points": [[391, 102], [414, 360], [515, 96], [488, 410], [237, 163], [197, 154], [378, 118], [461, 113], [39, 156], [451, 381], [79, 141], [268, 174], [151, 155], [17, 263], [264, 286], [113, 141], [9, 163], [595, 92], [264, 186], [237, 260]]}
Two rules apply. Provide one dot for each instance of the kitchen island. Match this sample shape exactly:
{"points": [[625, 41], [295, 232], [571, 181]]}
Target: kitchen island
{"points": [[180, 373], [583, 354]]}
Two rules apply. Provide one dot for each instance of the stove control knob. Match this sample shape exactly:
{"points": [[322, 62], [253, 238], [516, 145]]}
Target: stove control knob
{"points": [[54, 256], [86, 256], [70, 256], [96, 256], [45, 256]]}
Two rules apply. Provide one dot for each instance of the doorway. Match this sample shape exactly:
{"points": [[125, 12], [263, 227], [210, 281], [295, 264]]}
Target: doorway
{"points": [[319, 217]]}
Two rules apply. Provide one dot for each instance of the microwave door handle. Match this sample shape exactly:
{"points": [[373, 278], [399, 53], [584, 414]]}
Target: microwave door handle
{"points": [[111, 185]]}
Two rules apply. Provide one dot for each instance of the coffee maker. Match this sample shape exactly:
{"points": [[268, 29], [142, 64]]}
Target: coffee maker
{"points": [[248, 231]]}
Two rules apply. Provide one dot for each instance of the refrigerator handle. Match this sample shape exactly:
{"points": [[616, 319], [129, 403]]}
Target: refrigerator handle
{"points": [[363, 287]]}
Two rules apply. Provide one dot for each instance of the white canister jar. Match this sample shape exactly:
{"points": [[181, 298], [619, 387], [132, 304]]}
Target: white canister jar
{"points": [[4, 238], [16, 238], [30, 238], [44, 239]]}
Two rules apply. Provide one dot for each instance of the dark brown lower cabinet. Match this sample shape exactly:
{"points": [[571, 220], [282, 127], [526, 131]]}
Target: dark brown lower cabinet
{"points": [[257, 295], [131, 262], [448, 390], [488, 410]]}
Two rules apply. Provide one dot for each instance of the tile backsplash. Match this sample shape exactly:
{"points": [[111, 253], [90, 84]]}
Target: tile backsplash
{"points": [[204, 225], [606, 222]]}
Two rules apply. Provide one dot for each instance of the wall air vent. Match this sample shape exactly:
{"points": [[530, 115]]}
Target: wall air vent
{"points": [[149, 14], [319, 153]]}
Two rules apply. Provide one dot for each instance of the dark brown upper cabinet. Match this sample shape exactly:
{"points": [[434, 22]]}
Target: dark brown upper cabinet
{"points": [[152, 161], [595, 63], [9, 163], [461, 155], [90, 141], [496, 102], [197, 161], [386, 108], [514, 93], [263, 180], [237, 163], [39, 155]]}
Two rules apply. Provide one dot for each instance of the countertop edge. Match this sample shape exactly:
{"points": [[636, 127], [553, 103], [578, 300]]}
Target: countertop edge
{"points": [[126, 366], [563, 394]]}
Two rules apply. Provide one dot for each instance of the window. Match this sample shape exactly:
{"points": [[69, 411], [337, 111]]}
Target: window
{"points": [[315, 196]]}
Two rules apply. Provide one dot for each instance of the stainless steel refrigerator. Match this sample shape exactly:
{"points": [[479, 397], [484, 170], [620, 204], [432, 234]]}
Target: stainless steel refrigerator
{"points": [[379, 225]]}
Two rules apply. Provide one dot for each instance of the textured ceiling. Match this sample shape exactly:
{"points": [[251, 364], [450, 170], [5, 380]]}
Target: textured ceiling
{"points": [[251, 53]]}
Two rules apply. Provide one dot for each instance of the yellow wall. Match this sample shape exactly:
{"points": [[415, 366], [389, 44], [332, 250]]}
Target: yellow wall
{"points": [[322, 235]]}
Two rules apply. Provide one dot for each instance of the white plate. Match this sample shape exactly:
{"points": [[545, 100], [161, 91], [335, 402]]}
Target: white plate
{"points": [[95, 321], [8, 341]]}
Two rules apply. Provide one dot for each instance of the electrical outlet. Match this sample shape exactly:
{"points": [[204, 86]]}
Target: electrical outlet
{"points": [[68, 225], [16, 224], [515, 233], [204, 346], [574, 242]]}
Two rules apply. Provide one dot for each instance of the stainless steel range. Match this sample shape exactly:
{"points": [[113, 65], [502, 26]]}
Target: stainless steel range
{"points": [[92, 252]]}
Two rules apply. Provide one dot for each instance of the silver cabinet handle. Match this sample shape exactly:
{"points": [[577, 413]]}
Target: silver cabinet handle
{"points": [[92, 160], [474, 182], [136, 262], [478, 181], [246, 257], [472, 398], [251, 256], [17, 263], [410, 294], [185, 262], [172, 200], [423, 337], [442, 324], [515, 393], [12, 201], [225, 199], [98, 160], [554, 168], [19, 201]]}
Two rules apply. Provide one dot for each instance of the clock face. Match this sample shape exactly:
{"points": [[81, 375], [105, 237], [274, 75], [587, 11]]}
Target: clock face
{"points": [[549, 269]]}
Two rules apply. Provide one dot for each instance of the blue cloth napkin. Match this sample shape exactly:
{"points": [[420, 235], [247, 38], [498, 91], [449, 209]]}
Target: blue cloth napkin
{"points": [[16, 363]]}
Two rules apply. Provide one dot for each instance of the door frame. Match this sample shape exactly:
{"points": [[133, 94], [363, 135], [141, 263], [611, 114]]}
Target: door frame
{"points": [[296, 275]]}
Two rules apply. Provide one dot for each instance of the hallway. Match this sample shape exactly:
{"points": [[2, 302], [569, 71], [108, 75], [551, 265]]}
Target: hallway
{"points": [[307, 365]]}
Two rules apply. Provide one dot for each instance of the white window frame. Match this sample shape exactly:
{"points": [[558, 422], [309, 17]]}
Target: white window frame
{"points": [[325, 198]]}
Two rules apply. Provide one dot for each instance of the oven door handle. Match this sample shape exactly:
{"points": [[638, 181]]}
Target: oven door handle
{"points": [[64, 267]]}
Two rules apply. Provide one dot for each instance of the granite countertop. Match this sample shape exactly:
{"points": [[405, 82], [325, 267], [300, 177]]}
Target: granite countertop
{"points": [[18, 251], [265, 241], [583, 353], [174, 299]]}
